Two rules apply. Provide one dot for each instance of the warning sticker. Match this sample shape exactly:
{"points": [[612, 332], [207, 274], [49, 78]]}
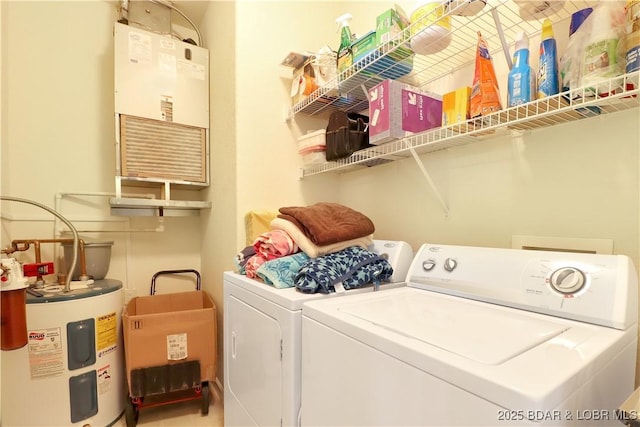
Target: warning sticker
{"points": [[139, 48], [104, 379], [45, 352], [177, 346], [106, 329]]}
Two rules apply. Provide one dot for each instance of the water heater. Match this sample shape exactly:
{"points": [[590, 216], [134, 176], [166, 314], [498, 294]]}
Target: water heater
{"points": [[161, 108]]}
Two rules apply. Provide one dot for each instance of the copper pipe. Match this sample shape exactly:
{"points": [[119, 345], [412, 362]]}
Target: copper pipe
{"points": [[23, 245]]}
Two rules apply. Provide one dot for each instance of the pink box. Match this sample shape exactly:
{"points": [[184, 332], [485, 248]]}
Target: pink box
{"points": [[397, 110]]}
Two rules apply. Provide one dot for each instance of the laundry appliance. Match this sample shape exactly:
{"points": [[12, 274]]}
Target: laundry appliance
{"points": [[479, 336], [262, 335]]}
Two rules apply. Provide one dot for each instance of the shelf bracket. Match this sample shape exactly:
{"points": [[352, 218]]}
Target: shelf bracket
{"points": [[503, 41], [430, 181], [366, 91]]}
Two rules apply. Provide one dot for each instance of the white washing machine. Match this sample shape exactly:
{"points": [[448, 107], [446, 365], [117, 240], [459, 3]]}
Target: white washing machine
{"points": [[479, 336], [262, 338]]}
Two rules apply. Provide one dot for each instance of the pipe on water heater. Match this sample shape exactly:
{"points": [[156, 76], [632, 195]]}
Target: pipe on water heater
{"points": [[13, 285]]}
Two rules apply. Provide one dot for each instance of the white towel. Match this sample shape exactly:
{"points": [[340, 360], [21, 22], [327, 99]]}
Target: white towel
{"points": [[311, 249]]}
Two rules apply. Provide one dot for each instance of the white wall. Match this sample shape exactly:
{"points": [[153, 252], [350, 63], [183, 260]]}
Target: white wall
{"points": [[219, 225], [59, 136]]}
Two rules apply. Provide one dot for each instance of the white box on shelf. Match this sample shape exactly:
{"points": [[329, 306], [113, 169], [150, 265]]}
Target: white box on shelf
{"points": [[312, 147]]}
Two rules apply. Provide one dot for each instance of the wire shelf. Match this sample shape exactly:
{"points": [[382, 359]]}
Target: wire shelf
{"points": [[621, 93], [498, 21]]}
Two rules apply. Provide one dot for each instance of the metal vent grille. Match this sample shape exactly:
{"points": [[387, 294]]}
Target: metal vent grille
{"points": [[165, 150]]}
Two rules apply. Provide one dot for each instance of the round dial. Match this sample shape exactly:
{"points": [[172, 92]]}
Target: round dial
{"points": [[428, 264], [450, 264], [567, 280]]}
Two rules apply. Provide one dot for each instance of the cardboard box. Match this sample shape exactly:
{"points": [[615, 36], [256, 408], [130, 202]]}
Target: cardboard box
{"points": [[363, 46], [398, 110], [455, 106], [389, 24], [170, 328], [303, 82]]}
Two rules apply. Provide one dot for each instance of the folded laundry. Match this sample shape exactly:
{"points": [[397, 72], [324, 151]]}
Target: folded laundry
{"points": [[257, 222], [280, 272], [312, 250], [268, 246], [243, 256], [351, 267], [252, 265], [275, 243], [326, 223]]}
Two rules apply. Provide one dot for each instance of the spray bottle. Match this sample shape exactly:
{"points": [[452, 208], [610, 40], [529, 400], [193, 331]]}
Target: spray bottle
{"points": [[345, 57], [548, 69], [521, 80]]}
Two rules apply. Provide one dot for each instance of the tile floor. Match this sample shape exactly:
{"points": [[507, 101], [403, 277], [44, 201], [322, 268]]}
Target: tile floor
{"points": [[183, 414]]}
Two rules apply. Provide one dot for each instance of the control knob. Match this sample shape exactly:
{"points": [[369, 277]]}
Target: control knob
{"points": [[567, 280], [428, 264], [450, 264]]}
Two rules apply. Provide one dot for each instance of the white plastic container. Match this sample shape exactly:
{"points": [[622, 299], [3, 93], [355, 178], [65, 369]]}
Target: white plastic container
{"points": [[97, 259], [534, 10], [603, 52], [312, 147], [430, 28]]}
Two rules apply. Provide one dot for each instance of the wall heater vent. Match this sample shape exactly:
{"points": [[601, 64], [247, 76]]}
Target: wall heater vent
{"points": [[153, 148]]}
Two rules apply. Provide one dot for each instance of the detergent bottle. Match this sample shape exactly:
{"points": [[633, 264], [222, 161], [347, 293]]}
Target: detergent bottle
{"points": [[521, 80], [345, 57], [548, 74]]}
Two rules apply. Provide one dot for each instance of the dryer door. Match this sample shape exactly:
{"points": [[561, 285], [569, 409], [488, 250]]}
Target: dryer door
{"points": [[254, 364]]}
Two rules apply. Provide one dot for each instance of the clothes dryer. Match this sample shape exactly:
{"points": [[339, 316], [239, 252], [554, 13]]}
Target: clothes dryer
{"points": [[479, 336], [262, 342]]}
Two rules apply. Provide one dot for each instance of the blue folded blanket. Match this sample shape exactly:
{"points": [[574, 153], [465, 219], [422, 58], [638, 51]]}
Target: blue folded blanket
{"points": [[353, 267], [280, 272]]}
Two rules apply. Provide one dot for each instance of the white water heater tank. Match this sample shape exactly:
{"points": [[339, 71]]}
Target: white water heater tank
{"points": [[70, 373]]}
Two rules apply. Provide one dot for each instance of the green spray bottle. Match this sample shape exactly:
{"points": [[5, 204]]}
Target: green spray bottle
{"points": [[345, 57]]}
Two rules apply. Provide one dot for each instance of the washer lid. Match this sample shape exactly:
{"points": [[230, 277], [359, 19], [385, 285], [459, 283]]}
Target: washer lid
{"points": [[480, 332], [291, 298]]}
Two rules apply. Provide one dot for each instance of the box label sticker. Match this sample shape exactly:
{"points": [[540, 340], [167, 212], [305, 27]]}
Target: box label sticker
{"points": [[177, 346], [378, 105]]}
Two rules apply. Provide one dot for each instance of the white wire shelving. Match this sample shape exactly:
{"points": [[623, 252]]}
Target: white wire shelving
{"points": [[498, 21], [623, 94]]}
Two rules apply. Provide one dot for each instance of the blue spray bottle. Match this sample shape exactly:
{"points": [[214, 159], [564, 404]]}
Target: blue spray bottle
{"points": [[521, 80], [548, 74]]}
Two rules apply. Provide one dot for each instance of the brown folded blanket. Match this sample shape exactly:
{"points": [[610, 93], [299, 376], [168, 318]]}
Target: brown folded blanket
{"points": [[327, 223]]}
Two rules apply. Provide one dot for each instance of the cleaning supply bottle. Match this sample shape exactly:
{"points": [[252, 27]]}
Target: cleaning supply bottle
{"points": [[548, 66], [571, 60], [345, 57], [601, 55], [521, 79]]}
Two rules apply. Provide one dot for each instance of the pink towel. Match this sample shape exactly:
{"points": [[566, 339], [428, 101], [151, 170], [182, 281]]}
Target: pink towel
{"points": [[274, 244], [252, 265]]}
